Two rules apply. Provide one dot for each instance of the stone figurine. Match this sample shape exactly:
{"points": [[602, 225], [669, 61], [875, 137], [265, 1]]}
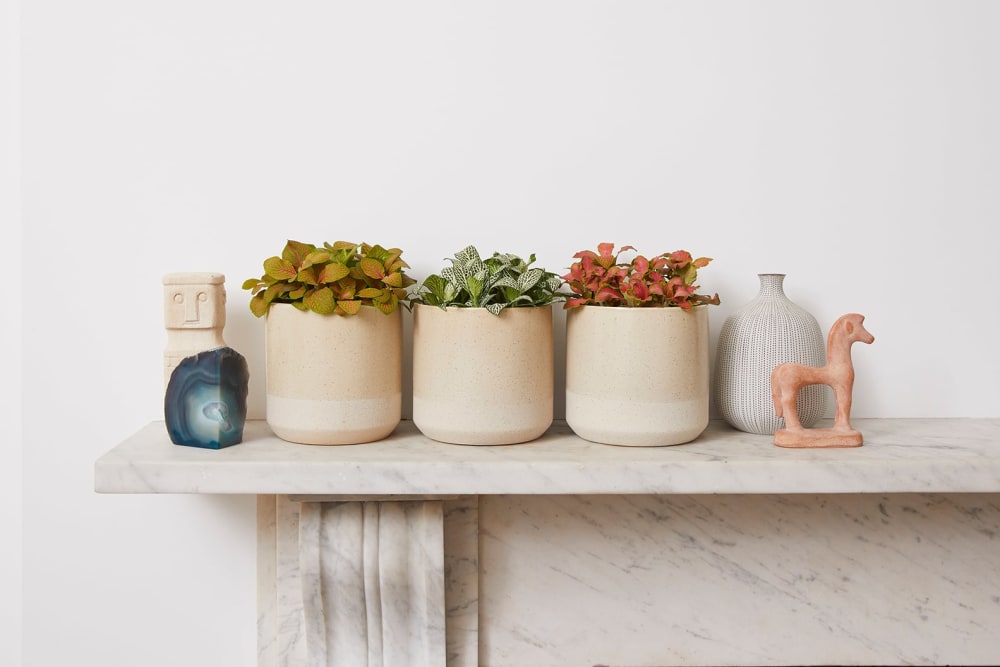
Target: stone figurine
{"points": [[205, 401], [787, 379], [194, 314]]}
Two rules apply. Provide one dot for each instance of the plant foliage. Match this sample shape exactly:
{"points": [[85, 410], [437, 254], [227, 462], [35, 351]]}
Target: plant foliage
{"points": [[602, 279], [501, 281], [335, 279]]}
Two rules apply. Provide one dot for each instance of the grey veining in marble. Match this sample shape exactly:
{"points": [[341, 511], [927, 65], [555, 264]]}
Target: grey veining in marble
{"points": [[288, 600], [281, 623], [267, 580], [461, 586], [373, 583], [331, 549], [735, 580], [899, 455]]}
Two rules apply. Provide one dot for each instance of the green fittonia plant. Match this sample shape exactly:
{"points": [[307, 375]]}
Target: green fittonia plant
{"points": [[600, 279], [335, 279], [498, 282]]}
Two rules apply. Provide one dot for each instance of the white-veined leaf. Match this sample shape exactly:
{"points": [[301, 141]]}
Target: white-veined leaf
{"points": [[529, 280]]}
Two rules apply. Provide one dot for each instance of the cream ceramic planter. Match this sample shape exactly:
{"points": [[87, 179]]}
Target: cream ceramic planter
{"points": [[637, 376], [333, 380], [479, 379]]}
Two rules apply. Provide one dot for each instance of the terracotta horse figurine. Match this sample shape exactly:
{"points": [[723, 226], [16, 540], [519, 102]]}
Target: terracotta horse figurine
{"points": [[788, 379]]}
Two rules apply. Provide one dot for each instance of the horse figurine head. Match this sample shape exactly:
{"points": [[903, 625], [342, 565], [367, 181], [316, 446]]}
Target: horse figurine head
{"points": [[853, 325]]}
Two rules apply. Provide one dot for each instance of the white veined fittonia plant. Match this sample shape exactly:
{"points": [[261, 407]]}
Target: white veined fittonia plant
{"points": [[498, 282]]}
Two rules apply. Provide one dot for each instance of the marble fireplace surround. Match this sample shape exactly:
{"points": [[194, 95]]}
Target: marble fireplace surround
{"points": [[726, 551]]}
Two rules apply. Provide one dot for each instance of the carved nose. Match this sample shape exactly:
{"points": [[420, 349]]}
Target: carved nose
{"points": [[191, 310]]}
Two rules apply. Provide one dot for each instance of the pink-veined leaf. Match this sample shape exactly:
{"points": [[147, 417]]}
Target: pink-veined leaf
{"points": [[639, 290], [684, 291], [386, 307], [607, 257], [307, 276], [258, 306], [332, 272], [279, 269], [372, 268], [607, 294], [320, 301], [295, 252], [344, 288], [679, 258], [349, 307], [658, 263], [394, 279], [316, 257]]}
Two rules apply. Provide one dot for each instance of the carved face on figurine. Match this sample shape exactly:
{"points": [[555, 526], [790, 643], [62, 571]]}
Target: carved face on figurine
{"points": [[194, 300]]}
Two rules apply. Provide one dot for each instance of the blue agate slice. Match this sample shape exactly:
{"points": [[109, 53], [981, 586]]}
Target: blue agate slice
{"points": [[206, 400]]}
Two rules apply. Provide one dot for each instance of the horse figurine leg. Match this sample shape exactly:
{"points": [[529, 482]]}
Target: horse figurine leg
{"points": [[786, 380], [790, 408], [842, 394]]}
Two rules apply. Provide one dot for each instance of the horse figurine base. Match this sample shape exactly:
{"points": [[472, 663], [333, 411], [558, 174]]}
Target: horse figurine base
{"points": [[788, 379], [818, 437]]}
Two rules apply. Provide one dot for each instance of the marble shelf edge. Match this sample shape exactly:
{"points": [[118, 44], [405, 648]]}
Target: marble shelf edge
{"points": [[900, 456]]}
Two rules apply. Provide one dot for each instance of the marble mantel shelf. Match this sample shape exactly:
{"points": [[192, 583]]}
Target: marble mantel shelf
{"points": [[899, 456]]}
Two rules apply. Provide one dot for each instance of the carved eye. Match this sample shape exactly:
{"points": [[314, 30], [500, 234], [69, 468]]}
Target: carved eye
{"points": [[202, 296], [178, 298]]}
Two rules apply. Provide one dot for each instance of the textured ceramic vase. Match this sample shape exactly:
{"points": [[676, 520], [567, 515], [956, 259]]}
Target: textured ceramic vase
{"points": [[333, 380], [768, 331], [637, 376], [482, 379]]}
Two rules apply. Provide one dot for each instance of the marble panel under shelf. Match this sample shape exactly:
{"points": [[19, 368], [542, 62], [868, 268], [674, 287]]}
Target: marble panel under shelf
{"points": [[739, 580]]}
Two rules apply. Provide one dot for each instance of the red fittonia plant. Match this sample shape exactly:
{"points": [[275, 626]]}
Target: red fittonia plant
{"points": [[599, 279]]}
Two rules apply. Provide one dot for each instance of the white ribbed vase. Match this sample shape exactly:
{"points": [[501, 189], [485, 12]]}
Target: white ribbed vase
{"points": [[768, 331]]}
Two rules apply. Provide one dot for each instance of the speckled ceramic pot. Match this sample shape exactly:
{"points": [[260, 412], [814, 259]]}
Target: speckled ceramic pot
{"points": [[637, 376], [333, 380], [480, 379]]}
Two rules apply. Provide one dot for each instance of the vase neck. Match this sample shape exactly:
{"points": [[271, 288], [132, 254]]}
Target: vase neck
{"points": [[771, 285]]}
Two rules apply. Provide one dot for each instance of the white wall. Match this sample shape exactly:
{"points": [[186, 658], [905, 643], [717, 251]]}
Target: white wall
{"points": [[10, 339], [852, 145]]}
